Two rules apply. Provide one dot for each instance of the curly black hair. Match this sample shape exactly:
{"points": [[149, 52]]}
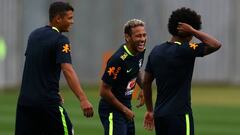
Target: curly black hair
{"points": [[184, 15]]}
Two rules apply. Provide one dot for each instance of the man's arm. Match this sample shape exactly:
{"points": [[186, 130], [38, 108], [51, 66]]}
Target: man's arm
{"points": [[74, 84], [147, 89], [213, 44], [140, 97], [140, 79], [106, 93]]}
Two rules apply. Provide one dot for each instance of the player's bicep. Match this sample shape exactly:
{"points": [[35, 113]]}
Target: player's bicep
{"points": [[112, 72], [149, 67], [104, 89], [63, 51], [197, 49], [140, 79]]}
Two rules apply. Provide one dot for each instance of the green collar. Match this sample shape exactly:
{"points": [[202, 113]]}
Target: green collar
{"points": [[55, 29], [179, 43], [126, 49]]}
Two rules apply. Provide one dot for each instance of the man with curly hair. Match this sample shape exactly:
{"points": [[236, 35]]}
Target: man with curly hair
{"points": [[171, 64]]}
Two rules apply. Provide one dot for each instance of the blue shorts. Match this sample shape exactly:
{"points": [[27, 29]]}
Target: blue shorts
{"points": [[174, 125], [47, 120], [115, 123]]}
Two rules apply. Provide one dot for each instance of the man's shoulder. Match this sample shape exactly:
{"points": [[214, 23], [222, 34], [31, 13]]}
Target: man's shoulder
{"points": [[158, 47], [41, 31], [161, 45], [48, 31], [119, 55], [62, 37], [116, 57], [43, 28]]}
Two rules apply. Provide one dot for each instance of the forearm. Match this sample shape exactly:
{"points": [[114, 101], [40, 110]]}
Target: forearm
{"points": [[140, 79], [147, 90], [213, 44], [205, 38], [74, 84], [107, 95]]}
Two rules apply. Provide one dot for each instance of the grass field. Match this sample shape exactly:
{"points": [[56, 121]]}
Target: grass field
{"points": [[216, 111]]}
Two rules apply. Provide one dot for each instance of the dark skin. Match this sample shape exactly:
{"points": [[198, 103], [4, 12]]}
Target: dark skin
{"points": [[140, 97], [63, 24], [106, 93], [135, 43], [213, 45]]}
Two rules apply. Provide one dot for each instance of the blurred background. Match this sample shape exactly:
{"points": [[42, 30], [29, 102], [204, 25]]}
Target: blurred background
{"points": [[98, 30]]}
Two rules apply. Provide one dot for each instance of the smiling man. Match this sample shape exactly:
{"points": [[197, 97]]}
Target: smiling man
{"points": [[119, 79], [39, 109]]}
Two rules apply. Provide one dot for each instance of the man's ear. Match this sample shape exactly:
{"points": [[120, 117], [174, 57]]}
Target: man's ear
{"points": [[58, 18], [127, 37]]}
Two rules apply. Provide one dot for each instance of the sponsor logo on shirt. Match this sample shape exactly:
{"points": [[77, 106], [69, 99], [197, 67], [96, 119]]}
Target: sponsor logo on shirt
{"points": [[129, 70], [66, 48], [113, 71], [130, 87]]}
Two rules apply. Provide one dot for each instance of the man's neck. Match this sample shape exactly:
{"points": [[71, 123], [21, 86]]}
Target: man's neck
{"points": [[179, 39], [130, 49], [54, 26]]}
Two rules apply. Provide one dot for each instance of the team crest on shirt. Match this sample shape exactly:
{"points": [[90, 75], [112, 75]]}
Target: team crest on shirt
{"points": [[113, 71], [193, 45], [130, 87], [66, 48], [124, 56]]}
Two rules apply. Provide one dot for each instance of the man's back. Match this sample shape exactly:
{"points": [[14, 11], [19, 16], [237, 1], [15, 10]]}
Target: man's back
{"points": [[172, 66], [42, 69], [175, 60]]}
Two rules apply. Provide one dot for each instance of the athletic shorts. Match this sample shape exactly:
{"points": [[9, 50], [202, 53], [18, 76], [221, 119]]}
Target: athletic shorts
{"points": [[115, 123], [174, 125], [45, 120]]}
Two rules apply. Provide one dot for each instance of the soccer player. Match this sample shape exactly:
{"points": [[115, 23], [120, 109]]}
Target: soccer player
{"points": [[171, 64], [119, 79], [39, 108]]}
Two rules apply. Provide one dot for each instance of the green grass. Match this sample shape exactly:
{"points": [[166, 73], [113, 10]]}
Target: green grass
{"points": [[216, 111]]}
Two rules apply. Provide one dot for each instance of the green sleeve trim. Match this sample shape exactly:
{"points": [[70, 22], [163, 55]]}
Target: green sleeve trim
{"points": [[110, 118], [63, 121], [187, 124], [3, 49]]}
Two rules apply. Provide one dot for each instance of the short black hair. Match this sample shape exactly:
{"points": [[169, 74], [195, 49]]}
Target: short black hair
{"points": [[59, 8], [184, 15]]}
